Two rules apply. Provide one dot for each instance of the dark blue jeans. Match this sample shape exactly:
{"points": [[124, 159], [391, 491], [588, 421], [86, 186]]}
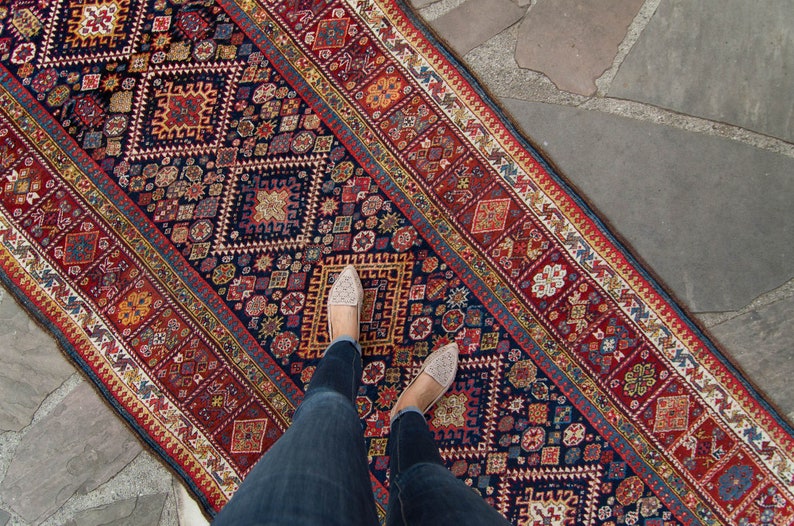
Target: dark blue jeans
{"points": [[317, 472], [421, 490]]}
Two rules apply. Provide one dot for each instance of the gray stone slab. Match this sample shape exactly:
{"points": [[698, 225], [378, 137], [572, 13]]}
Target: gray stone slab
{"points": [[144, 476], [4, 517], [711, 216], [32, 368], [141, 511], [726, 60], [760, 343], [574, 42], [475, 21], [419, 4], [75, 448]]}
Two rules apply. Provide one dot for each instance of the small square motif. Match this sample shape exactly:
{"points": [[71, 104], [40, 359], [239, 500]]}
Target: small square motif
{"points": [[377, 447], [92, 140], [90, 82], [248, 435], [550, 456], [672, 414], [342, 224], [139, 62], [417, 292], [323, 143], [161, 23], [199, 251], [185, 212], [289, 123], [297, 281], [290, 106], [497, 463], [278, 279]]}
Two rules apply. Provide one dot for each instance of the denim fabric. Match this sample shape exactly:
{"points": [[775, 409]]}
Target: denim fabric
{"points": [[401, 412], [317, 472], [422, 492], [348, 339], [339, 370]]}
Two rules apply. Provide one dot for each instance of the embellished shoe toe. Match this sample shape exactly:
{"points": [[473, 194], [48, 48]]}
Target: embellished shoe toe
{"points": [[441, 366], [346, 291]]}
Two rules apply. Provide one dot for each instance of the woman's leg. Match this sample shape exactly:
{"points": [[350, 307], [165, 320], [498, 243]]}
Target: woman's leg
{"points": [[317, 472], [421, 490]]}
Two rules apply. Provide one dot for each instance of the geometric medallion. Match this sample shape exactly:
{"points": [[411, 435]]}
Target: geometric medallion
{"points": [[490, 216], [464, 422], [182, 111], [270, 205], [385, 278], [672, 414], [331, 33], [80, 248], [91, 30], [248, 435], [22, 185], [555, 495]]}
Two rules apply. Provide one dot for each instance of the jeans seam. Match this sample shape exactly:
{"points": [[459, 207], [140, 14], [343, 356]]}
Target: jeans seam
{"points": [[400, 501], [353, 381]]}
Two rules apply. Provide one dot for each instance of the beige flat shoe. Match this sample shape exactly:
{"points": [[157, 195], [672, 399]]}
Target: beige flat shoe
{"points": [[348, 291], [442, 366]]}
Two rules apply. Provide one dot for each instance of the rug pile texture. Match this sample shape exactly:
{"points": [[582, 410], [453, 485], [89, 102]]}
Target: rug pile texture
{"points": [[181, 180]]}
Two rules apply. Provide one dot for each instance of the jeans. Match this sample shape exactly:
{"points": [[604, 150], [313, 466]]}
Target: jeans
{"points": [[317, 472]]}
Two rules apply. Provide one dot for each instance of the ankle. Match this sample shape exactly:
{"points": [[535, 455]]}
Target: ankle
{"points": [[403, 410], [344, 322], [348, 339]]}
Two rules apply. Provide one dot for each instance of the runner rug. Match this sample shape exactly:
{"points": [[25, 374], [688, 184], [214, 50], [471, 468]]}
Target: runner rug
{"points": [[181, 181]]}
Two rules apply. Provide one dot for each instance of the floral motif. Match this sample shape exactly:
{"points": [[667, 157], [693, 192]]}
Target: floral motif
{"points": [[639, 379], [735, 482], [450, 411], [551, 279], [384, 92], [135, 307]]}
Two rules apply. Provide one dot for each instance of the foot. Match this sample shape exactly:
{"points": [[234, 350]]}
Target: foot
{"points": [[422, 392], [343, 321], [434, 379], [344, 304]]}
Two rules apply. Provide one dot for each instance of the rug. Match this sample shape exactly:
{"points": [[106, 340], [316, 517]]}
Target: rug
{"points": [[181, 180]]}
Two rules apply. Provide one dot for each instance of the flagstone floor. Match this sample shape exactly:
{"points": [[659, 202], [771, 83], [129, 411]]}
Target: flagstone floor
{"points": [[673, 119]]}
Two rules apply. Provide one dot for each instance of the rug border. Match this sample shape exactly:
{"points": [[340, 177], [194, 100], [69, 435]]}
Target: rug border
{"points": [[80, 366], [69, 147], [605, 227]]}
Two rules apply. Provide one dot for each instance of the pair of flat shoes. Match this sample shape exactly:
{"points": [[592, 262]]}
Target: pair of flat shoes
{"points": [[441, 365]]}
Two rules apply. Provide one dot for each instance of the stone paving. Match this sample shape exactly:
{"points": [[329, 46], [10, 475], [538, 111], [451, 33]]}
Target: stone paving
{"points": [[674, 120]]}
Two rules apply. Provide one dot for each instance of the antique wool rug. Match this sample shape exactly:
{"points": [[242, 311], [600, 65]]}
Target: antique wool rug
{"points": [[180, 181]]}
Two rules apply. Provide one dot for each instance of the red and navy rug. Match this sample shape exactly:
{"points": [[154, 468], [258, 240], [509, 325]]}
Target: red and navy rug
{"points": [[180, 181]]}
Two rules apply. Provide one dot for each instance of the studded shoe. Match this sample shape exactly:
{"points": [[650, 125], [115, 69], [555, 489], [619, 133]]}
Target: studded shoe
{"points": [[348, 291], [441, 366]]}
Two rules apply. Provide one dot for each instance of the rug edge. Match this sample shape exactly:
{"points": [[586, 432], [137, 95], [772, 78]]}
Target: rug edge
{"points": [[604, 225], [66, 348]]}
